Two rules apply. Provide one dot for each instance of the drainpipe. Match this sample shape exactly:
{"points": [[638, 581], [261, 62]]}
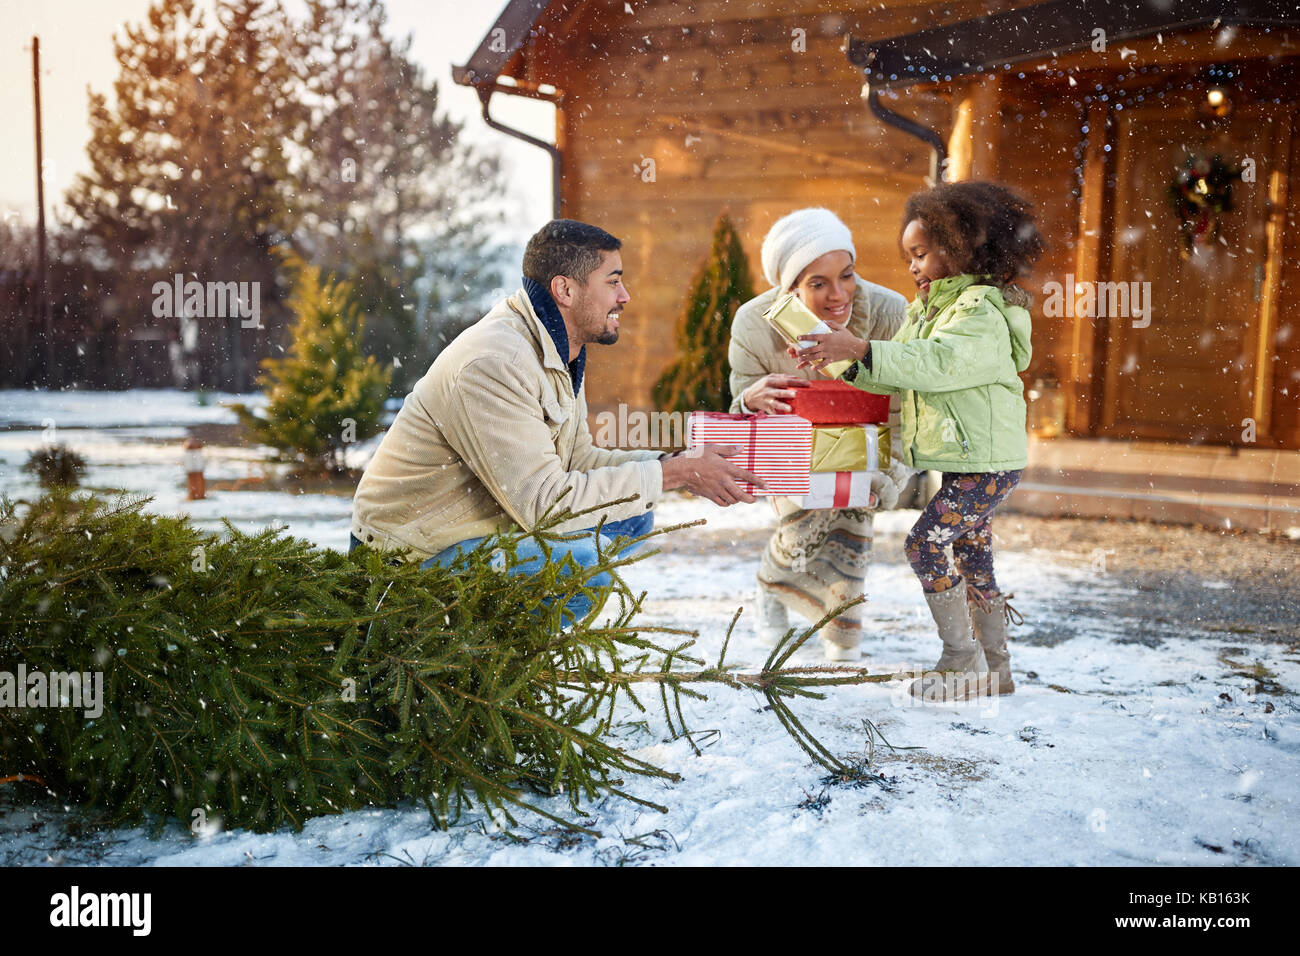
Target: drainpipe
{"points": [[861, 55], [485, 92], [938, 150]]}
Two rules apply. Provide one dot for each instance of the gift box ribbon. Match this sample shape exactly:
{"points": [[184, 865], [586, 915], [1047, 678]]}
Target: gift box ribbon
{"points": [[753, 442], [843, 485]]}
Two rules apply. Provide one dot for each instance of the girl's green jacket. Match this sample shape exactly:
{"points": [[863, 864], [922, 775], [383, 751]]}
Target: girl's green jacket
{"points": [[954, 362]]}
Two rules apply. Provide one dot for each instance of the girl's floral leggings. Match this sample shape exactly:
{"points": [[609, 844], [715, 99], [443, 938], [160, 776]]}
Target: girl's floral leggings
{"points": [[961, 514]]}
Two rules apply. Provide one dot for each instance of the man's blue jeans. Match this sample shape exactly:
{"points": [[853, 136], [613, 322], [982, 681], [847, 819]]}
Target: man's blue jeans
{"points": [[581, 545]]}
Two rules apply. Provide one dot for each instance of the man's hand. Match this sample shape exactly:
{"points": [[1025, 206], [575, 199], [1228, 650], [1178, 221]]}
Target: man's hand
{"points": [[705, 471], [771, 393]]}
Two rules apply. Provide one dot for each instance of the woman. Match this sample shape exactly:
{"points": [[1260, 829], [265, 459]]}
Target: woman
{"points": [[815, 560]]}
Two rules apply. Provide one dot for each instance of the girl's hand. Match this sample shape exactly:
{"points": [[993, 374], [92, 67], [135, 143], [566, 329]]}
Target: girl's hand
{"points": [[834, 346], [771, 392]]}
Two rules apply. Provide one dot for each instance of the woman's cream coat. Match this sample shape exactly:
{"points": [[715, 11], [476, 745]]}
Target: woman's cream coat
{"points": [[757, 349]]}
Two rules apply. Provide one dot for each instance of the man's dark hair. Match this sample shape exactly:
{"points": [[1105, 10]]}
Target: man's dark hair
{"points": [[566, 247]]}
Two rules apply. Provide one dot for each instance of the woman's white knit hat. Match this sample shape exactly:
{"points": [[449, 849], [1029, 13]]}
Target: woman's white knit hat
{"points": [[796, 240]]}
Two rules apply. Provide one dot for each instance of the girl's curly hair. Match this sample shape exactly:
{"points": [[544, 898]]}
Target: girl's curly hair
{"points": [[981, 228]]}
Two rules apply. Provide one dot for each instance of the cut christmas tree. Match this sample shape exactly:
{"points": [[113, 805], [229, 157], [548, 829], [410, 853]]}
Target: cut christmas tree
{"points": [[257, 680]]}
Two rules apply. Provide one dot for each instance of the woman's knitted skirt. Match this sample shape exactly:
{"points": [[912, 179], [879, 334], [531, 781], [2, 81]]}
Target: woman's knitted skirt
{"points": [[816, 560]]}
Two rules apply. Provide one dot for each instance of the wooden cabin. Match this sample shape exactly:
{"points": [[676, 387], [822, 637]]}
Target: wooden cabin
{"points": [[1170, 344]]}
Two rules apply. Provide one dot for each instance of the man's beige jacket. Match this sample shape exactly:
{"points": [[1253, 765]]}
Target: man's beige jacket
{"points": [[491, 438]]}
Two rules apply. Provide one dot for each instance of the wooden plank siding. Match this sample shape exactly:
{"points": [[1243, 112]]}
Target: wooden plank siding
{"points": [[1046, 174], [734, 119], [737, 120], [1286, 327]]}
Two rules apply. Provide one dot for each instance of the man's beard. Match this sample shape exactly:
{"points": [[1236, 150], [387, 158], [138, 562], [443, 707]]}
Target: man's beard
{"points": [[608, 336]]}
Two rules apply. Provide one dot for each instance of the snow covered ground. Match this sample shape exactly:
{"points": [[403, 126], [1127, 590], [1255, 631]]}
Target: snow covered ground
{"points": [[1123, 745], [131, 440]]}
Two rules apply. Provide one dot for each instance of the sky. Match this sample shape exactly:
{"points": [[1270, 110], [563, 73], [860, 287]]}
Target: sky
{"points": [[76, 39]]}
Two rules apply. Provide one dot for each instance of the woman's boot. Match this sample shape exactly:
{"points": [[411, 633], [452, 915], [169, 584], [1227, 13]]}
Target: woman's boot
{"points": [[772, 621], [990, 616], [837, 652], [839, 639], [810, 592], [962, 671]]}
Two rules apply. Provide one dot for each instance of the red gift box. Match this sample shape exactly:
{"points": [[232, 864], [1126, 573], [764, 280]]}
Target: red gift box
{"points": [[777, 448], [839, 403]]}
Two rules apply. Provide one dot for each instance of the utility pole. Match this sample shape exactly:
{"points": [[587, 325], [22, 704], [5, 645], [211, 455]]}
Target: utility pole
{"points": [[43, 294]]}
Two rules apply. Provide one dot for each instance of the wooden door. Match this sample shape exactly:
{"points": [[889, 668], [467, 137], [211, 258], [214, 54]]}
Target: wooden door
{"points": [[1192, 369]]}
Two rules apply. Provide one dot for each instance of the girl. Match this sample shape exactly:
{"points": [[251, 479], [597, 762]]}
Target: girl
{"points": [[955, 362], [816, 559]]}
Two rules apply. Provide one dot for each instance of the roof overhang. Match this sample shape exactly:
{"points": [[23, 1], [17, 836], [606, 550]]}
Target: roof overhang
{"points": [[1047, 29], [516, 25]]}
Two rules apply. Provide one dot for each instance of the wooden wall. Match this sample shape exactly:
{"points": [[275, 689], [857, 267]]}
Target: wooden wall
{"points": [[1038, 158], [736, 120], [1286, 336]]}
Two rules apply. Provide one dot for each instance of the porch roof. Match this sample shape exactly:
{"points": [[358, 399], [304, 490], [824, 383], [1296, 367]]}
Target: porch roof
{"points": [[1047, 29], [513, 28]]}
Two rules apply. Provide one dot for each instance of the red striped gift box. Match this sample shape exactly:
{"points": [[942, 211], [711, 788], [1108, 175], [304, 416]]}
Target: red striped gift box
{"points": [[777, 448]]}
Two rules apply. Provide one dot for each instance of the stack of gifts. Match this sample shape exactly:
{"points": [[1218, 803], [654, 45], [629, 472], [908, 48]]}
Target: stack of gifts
{"points": [[823, 454]]}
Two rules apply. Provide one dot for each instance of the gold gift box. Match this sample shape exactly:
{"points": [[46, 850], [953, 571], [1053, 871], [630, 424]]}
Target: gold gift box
{"points": [[845, 448], [792, 319]]}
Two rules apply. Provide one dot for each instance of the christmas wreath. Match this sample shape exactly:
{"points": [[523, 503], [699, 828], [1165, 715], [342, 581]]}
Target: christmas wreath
{"points": [[1200, 193]]}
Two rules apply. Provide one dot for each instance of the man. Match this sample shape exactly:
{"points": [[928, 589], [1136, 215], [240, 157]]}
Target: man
{"points": [[495, 434]]}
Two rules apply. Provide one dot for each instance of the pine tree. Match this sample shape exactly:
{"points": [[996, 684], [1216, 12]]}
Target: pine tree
{"points": [[258, 680], [244, 128], [699, 379], [190, 170], [325, 394], [395, 201], [56, 465]]}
